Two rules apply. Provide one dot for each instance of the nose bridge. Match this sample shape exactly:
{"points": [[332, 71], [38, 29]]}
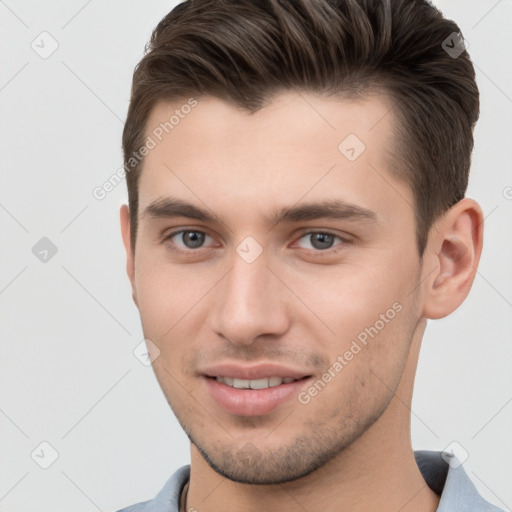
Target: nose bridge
{"points": [[248, 304]]}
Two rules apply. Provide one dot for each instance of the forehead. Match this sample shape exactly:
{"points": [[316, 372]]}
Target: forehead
{"points": [[291, 117], [300, 146]]}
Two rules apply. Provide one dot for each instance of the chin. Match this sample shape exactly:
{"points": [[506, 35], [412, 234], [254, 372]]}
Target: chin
{"points": [[248, 464]]}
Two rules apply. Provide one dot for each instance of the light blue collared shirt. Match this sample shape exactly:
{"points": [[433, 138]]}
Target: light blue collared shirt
{"points": [[442, 472]]}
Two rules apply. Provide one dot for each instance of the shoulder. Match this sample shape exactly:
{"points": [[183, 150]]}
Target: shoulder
{"points": [[445, 475], [138, 507], [167, 500]]}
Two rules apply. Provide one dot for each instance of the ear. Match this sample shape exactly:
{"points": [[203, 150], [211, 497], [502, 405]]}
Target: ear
{"points": [[453, 251], [130, 253]]}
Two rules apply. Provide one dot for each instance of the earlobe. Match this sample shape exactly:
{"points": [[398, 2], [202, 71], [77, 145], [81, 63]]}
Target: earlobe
{"points": [[124, 214], [453, 251]]}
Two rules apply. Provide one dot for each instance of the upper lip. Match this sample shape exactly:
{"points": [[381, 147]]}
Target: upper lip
{"points": [[253, 372]]}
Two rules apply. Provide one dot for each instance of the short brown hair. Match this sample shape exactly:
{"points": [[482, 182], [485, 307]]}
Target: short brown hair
{"points": [[246, 51]]}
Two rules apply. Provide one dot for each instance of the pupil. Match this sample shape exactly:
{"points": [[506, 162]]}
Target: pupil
{"points": [[321, 240], [193, 239]]}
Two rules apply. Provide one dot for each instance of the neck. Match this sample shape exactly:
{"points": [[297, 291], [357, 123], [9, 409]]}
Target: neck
{"points": [[377, 472]]}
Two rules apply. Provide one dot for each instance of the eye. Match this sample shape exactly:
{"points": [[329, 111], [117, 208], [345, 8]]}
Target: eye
{"points": [[188, 239], [320, 240]]}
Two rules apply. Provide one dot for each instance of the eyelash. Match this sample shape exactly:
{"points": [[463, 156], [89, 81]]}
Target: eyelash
{"points": [[317, 252]]}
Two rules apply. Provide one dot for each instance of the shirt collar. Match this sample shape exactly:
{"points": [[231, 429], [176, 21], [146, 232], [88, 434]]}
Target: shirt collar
{"points": [[442, 472]]}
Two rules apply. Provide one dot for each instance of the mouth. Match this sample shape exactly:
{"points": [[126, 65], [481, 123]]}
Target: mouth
{"points": [[253, 397], [270, 382]]}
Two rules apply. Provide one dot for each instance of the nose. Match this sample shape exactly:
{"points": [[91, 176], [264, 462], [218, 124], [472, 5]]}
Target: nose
{"points": [[249, 302]]}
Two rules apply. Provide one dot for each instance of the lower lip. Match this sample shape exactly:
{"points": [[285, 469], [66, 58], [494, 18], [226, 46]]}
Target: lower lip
{"points": [[252, 402]]}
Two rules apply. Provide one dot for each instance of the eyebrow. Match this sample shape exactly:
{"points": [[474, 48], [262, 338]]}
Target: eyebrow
{"points": [[329, 209]]}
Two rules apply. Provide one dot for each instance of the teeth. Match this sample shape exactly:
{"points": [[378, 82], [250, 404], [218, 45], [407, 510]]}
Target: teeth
{"points": [[274, 381], [255, 383]]}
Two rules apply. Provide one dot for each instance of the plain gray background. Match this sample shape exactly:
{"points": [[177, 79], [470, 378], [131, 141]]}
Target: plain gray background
{"points": [[68, 373]]}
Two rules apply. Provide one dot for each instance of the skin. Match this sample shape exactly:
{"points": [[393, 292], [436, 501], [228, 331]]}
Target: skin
{"points": [[349, 448]]}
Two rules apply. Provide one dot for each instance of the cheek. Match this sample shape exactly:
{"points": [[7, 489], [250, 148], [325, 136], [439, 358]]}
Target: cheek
{"points": [[348, 300], [365, 369], [167, 294], [173, 303]]}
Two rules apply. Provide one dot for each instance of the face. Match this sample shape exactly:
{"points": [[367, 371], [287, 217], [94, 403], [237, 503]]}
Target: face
{"points": [[276, 275]]}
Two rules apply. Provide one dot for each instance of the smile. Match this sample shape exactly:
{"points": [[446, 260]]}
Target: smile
{"points": [[253, 397], [265, 383]]}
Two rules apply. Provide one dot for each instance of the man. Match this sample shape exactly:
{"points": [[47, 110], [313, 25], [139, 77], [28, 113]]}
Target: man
{"points": [[296, 174]]}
